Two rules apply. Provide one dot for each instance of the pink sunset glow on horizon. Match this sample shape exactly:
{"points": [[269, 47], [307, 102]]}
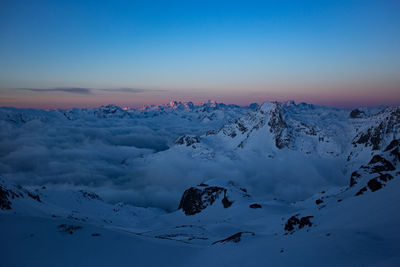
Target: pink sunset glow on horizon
{"points": [[342, 97]]}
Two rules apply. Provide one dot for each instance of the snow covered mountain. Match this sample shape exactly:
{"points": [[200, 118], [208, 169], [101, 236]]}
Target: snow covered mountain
{"points": [[280, 184]]}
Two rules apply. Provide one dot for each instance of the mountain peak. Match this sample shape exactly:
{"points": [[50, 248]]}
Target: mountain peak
{"points": [[268, 107]]}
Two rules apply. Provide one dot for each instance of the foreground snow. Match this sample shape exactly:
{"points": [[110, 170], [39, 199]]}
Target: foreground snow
{"points": [[358, 231]]}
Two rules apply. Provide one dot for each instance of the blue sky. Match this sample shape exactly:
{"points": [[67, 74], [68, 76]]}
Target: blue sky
{"points": [[328, 52]]}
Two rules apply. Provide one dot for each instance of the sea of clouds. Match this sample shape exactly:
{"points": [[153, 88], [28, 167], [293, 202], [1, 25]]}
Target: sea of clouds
{"points": [[129, 160]]}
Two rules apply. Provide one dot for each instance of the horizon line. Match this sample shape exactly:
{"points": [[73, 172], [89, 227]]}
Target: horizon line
{"points": [[196, 103]]}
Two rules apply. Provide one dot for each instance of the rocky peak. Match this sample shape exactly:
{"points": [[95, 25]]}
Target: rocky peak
{"points": [[278, 126], [289, 103], [386, 126], [268, 107], [178, 105], [110, 111]]}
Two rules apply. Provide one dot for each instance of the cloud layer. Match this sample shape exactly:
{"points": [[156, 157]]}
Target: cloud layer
{"points": [[127, 158], [111, 156], [89, 91], [73, 90]]}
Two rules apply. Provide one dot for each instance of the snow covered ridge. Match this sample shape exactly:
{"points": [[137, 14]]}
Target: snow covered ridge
{"points": [[191, 143], [281, 184], [114, 111]]}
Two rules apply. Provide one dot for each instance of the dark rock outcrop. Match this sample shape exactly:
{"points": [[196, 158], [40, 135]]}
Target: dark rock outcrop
{"points": [[9, 192], [376, 183], [361, 191], [388, 124], [7, 195], [354, 177], [90, 195], [395, 143], [381, 164], [255, 206], [110, 111], [394, 148], [294, 222], [69, 228], [233, 238], [226, 202], [187, 140], [219, 192], [5, 204], [356, 114], [378, 171], [279, 128], [240, 126], [34, 196], [211, 132], [195, 199]]}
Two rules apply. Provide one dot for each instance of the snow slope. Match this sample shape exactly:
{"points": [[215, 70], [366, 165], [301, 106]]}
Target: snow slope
{"points": [[283, 185]]}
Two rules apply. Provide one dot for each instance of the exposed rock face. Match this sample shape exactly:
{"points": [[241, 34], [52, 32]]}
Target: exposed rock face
{"points": [[90, 195], [211, 132], [69, 228], [379, 170], [5, 204], [394, 149], [195, 200], [319, 201], [268, 114], [229, 130], [376, 183], [10, 192], [393, 145], [380, 164], [281, 123], [236, 238], [356, 113], [16, 118], [226, 202], [388, 124], [7, 195], [353, 179], [240, 126], [255, 206], [279, 128], [294, 222], [110, 110], [187, 140], [362, 191], [33, 196]]}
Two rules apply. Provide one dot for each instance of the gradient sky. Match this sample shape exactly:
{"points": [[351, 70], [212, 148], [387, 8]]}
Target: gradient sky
{"points": [[57, 54]]}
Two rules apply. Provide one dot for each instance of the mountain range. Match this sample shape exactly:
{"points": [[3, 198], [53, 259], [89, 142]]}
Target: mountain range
{"points": [[276, 184]]}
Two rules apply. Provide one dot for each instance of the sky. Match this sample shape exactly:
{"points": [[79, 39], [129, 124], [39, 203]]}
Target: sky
{"points": [[61, 54]]}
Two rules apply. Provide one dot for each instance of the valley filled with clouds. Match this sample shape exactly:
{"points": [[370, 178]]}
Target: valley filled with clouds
{"points": [[131, 155]]}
